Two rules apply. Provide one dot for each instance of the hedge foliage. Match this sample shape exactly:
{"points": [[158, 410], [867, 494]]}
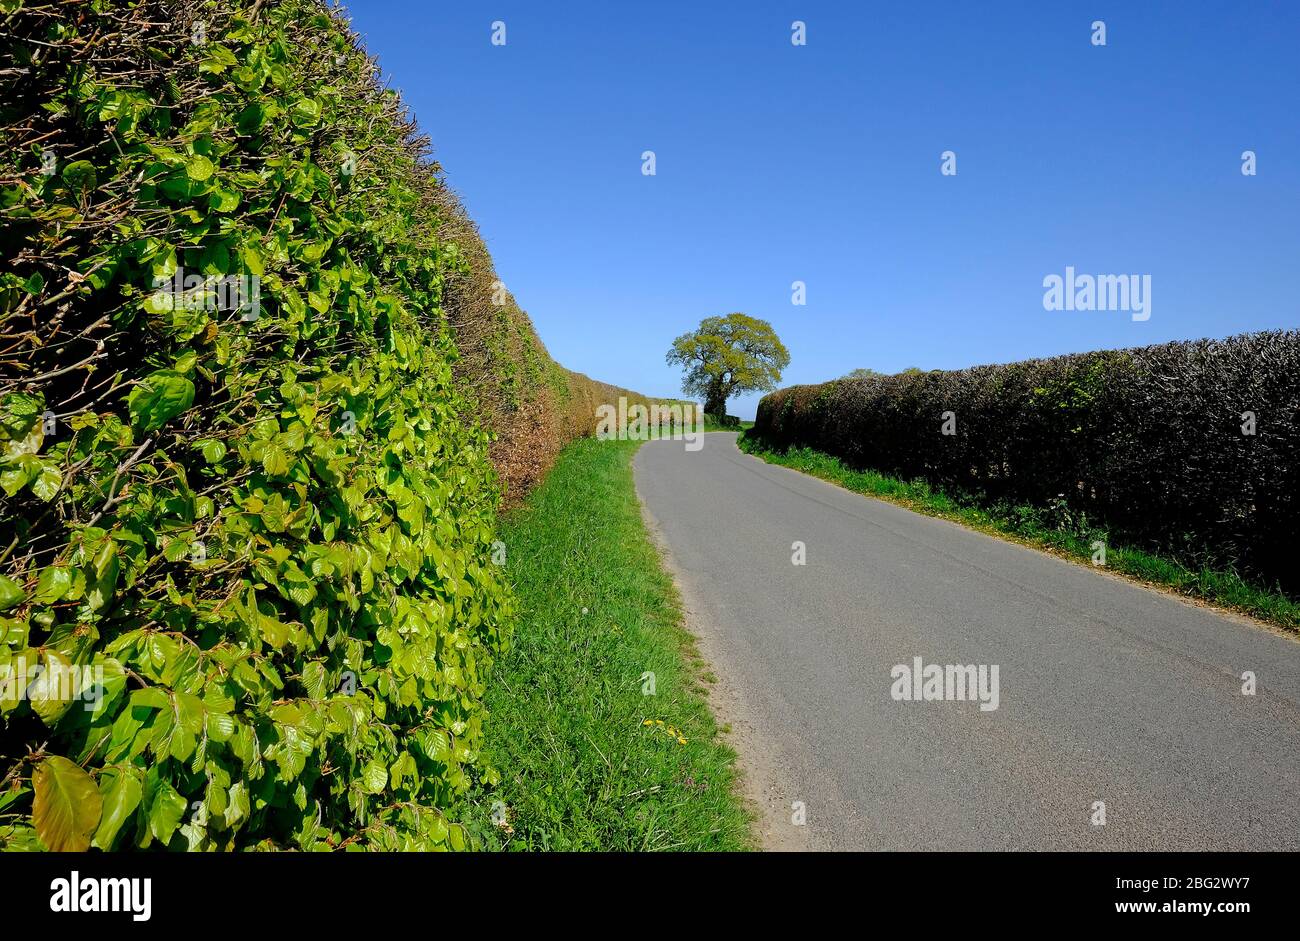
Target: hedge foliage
{"points": [[1151, 442], [249, 558]]}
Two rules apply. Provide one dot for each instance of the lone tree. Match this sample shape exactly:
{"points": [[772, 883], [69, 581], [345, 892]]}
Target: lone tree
{"points": [[728, 356]]}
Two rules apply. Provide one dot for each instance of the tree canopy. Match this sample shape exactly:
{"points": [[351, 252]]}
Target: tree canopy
{"points": [[728, 356]]}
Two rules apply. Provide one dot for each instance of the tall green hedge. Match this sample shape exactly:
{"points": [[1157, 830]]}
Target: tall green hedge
{"points": [[269, 539], [1191, 448]]}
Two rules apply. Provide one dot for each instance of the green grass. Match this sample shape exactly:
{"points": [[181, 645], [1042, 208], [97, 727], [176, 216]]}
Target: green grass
{"points": [[1050, 528], [580, 769]]}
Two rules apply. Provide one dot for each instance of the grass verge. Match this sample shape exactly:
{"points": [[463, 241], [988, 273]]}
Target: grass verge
{"points": [[588, 760], [1043, 528]]}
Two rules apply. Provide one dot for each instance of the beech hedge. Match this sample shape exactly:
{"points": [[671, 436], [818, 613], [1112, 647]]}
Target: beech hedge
{"points": [[248, 593], [1190, 448]]}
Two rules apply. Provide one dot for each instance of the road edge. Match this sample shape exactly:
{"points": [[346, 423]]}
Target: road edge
{"points": [[762, 786], [1241, 617]]}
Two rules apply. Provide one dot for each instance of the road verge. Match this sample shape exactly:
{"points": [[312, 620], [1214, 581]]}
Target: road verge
{"points": [[598, 719], [1028, 526]]}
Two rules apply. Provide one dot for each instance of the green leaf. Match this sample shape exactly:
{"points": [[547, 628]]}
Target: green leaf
{"points": [[198, 168], [11, 593], [456, 837], [53, 584], [16, 478], [223, 200], [275, 461], [52, 692], [216, 260], [163, 395], [166, 807], [19, 414], [27, 445], [220, 728], [438, 830], [66, 806], [46, 485], [150, 697], [252, 260], [219, 59], [177, 727], [186, 362], [11, 797], [110, 689], [157, 302], [102, 577], [163, 264], [79, 176], [275, 631], [178, 186], [213, 450], [23, 662], [314, 680], [374, 777], [120, 791], [305, 112], [240, 805], [250, 120]]}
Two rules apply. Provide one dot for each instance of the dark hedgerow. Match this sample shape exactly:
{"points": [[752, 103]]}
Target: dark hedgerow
{"points": [[1190, 448], [246, 539]]}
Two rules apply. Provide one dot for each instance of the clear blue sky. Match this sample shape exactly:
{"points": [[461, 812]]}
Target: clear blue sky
{"points": [[821, 163]]}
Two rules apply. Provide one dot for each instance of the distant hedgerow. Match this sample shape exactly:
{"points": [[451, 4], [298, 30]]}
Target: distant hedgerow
{"points": [[1191, 448]]}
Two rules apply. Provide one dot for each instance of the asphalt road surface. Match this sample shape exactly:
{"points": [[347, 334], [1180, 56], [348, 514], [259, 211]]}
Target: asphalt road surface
{"points": [[1108, 692]]}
